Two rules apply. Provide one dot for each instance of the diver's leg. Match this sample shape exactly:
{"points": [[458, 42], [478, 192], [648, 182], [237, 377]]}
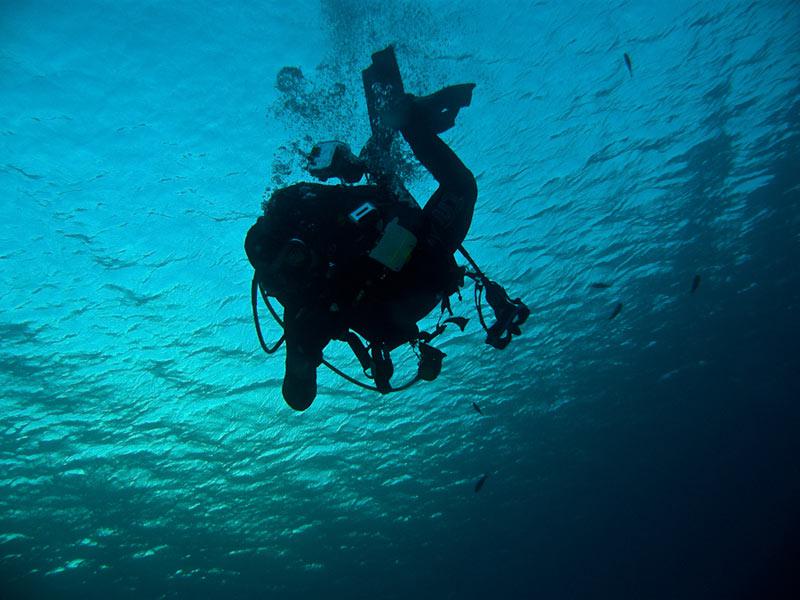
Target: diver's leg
{"points": [[438, 158], [305, 339], [449, 217], [300, 379], [449, 210]]}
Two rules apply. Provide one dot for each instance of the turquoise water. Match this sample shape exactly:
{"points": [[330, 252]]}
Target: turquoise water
{"points": [[145, 450]]}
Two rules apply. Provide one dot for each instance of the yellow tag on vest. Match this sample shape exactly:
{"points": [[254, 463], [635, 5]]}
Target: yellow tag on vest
{"points": [[394, 248]]}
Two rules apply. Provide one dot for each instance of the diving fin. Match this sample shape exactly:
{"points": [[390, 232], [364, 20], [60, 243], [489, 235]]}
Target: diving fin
{"points": [[390, 108], [383, 89], [439, 110]]}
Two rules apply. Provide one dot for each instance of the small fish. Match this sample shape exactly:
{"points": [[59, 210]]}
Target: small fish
{"points": [[628, 63], [480, 483], [600, 285], [617, 310], [695, 283], [477, 408]]}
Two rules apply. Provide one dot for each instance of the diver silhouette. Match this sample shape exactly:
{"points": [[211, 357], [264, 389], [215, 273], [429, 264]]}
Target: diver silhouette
{"points": [[367, 259]]}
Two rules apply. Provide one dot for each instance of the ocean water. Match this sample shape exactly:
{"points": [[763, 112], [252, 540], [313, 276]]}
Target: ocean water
{"points": [[145, 449]]}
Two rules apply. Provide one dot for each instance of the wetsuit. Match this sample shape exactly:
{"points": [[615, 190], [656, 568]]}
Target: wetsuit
{"points": [[382, 306]]}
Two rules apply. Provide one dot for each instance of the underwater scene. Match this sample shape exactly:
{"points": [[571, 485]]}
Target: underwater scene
{"points": [[628, 427]]}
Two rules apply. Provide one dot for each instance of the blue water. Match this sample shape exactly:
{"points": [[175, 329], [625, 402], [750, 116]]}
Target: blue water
{"points": [[145, 450]]}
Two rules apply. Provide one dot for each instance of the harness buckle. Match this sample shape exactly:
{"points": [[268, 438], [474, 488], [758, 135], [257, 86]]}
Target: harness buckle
{"points": [[358, 215]]}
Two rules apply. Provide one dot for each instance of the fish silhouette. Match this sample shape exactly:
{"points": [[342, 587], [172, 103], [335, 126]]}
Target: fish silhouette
{"points": [[600, 285], [628, 63], [480, 483], [617, 310], [477, 408], [695, 283]]}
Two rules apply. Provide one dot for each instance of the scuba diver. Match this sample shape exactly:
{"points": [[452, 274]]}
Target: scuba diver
{"points": [[349, 261]]}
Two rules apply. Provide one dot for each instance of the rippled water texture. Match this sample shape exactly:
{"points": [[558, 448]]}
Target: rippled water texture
{"points": [[145, 450]]}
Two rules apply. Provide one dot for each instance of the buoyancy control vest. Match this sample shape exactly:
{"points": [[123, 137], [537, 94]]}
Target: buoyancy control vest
{"points": [[357, 250]]}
